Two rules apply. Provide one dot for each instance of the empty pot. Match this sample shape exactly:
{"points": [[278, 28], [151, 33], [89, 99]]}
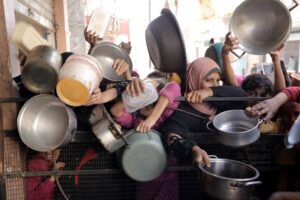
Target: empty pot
{"points": [[45, 123], [40, 72], [261, 26]]}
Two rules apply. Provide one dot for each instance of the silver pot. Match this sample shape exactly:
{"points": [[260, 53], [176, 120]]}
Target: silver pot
{"points": [[109, 134], [45, 123], [234, 128], [40, 72], [228, 179], [261, 26]]}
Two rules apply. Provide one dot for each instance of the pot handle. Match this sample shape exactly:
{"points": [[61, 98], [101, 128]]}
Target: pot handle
{"points": [[212, 156], [210, 126], [294, 6], [237, 55], [239, 184]]}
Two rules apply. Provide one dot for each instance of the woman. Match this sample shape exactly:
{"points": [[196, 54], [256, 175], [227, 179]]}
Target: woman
{"points": [[202, 81]]}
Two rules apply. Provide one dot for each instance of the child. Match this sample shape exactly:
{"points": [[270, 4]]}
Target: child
{"points": [[38, 187]]}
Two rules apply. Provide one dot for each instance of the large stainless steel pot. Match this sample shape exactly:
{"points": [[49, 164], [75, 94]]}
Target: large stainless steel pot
{"points": [[165, 43], [40, 72], [144, 158], [234, 128], [228, 179], [261, 26], [45, 123]]}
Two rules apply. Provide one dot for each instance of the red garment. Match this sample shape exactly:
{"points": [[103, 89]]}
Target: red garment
{"points": [[293, 93], [37, 187]]}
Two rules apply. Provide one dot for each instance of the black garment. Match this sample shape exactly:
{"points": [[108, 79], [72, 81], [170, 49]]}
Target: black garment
{"points": [[183, 123]]}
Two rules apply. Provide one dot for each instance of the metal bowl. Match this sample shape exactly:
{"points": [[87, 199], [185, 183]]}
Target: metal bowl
{"points": [[106, 53], [45, 123], [261, 26], [165, 43]]}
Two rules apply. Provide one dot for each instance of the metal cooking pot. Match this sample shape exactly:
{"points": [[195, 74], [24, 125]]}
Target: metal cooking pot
{"points": [[109, 135], [165, 43], [228, 179], [234, 128], [106, 53], [45, 123], [40, 72], [261, 26], [144, 158]]}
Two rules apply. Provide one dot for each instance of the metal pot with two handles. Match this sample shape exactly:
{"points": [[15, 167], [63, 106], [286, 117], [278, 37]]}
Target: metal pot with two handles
{"points": [[233, 179], [261, 26], [234, 128], [109, 133], [46, 123], [40, 72]]}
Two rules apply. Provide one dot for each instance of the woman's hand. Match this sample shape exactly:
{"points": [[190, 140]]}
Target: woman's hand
{"points": [[275, 55], [91, 37], [230, 43], [135, 88], [95, 98], [199, 95], [146, 125], [199, 155], [57, 166]]}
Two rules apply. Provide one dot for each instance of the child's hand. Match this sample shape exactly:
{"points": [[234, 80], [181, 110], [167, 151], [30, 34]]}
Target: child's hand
{"points": [[120, 66], [146, 125], [59, 165], [230, 43], [275, 55], [199, 95], [95, 98], [91, 37], [135, 88]]}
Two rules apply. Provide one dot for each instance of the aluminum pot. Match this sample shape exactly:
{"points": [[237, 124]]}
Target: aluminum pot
{"points": [[109, 134], [78, 78], [234, 128], [228, 179], [40, 72], [144, 158], [165, 43], [45, 123], [261, 26]]}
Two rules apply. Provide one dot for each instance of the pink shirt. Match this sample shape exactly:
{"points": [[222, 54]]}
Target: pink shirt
{"points": [[38, 187], [293, 93], [170, 91]]}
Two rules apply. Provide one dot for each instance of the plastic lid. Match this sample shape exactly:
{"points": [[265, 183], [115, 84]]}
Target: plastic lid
{"points": [[134, 103]]}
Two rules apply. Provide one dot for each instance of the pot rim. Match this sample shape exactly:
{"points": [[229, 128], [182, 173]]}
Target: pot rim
{"points": [[236, 133], [201, 166]]}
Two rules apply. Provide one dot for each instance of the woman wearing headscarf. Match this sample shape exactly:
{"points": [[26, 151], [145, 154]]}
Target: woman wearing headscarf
{"points": [[202, 81]]}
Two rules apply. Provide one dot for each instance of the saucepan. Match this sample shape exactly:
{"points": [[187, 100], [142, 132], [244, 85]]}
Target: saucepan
{"points": [[233, 179], [261, 26]]}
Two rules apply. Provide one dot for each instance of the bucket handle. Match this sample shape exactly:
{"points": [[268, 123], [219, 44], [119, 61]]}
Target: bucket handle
{"points": [[241, 184], [237, 55], [294, 6]]}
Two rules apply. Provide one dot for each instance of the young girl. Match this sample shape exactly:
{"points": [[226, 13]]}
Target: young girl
{"points": [[202, 80], [151, 117]]}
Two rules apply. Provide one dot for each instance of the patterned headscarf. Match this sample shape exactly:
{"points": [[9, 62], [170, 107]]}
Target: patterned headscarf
{"points": [[197, 71]]}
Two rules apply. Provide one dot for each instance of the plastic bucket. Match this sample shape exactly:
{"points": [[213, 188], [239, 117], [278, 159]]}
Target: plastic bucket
{"points": [[78, 78]]}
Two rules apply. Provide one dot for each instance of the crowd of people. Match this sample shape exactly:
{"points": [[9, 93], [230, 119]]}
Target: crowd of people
{"points": [[203, 78]]}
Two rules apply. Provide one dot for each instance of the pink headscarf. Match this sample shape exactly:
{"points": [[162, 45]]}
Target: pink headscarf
{"points": [[196, 73]]}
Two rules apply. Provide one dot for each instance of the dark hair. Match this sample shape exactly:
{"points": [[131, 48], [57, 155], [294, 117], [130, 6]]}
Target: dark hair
{"points": [[255, 81]]}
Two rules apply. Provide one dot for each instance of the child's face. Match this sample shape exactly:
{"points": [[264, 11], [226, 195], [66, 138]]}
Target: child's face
{"points": [[258, 92], [211, 80], [146, 111]]}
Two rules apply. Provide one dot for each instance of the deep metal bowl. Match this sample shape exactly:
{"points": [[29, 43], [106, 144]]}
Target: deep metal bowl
{"points": [[45, 123], [261, 26], [165, 43], [106, 53]]}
